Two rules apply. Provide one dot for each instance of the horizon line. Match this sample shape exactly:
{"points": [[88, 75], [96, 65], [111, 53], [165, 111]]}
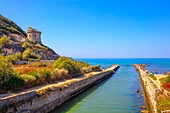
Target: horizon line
{"points": [[113, 58]]}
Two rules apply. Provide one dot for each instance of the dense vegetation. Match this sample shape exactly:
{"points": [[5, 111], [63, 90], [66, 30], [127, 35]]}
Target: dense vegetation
{"points": [[24, 76], [28, 54], [69, 64], [14, 57], [30, 51], [6, 70], [7, 26], [12, 45], [30, 48]]}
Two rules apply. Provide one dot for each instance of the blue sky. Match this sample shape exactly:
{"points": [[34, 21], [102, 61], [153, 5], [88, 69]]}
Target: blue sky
{"points": [[97, 28]]}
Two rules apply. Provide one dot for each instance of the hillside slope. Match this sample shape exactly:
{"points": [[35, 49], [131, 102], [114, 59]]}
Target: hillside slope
{"points": [[19, 43], [7, 26]]}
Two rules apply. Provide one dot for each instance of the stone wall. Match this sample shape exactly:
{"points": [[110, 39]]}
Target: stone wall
{"points": [[46, 98], [150, 88], [151, 91]]}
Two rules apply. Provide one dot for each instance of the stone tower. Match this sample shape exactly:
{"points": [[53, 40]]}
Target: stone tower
{"points": [[34, 35]]}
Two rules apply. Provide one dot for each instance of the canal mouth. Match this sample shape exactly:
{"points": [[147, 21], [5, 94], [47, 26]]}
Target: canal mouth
{"points": [[109, 95]]}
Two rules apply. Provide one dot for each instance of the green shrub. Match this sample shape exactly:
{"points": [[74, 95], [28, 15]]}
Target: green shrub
{"points": [[34, 74], [9, 58], [24, 45], [1, 50], [87, 69], [28, 54], [14, 82], [55, 74], [167, 80], [83, 64], [96, 67], [29, 80], [4, 41], [6, 71], [163, 105], [43, 76], [48, 74], [14, 57], [59, 74], [67, 64], [18, 56]]}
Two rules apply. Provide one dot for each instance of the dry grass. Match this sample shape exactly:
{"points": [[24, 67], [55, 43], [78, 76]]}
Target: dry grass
{"points": [[37, 74], [25, 69], [41, 74], [59, 74], [163, 103]]}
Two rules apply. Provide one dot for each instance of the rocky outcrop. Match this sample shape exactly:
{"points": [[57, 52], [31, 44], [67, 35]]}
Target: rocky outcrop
{"points": [[46, 98]]}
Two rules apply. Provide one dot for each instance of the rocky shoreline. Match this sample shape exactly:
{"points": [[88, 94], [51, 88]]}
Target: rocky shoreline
{"points": [[155, 95], [148, 88]]}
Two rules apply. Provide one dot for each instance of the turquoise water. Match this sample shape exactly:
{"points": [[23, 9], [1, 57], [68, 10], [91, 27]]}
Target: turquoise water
{"points": [[117, 94]]}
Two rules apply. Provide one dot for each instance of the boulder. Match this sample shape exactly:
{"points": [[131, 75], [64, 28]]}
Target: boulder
{"points": [[138, 91], [144, 107]]}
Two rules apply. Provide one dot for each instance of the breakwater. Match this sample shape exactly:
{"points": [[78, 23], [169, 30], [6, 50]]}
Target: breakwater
{"points": [[149, 87], [157, 95], [48, 97]]}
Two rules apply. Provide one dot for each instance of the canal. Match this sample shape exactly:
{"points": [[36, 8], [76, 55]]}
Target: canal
{"points": [[116, 94]]}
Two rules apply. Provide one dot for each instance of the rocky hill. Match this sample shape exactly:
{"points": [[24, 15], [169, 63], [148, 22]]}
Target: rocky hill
{"points": [[7, 26], [14, 40]]}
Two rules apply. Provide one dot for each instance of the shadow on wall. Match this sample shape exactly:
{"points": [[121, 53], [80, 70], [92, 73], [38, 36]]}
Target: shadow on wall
{"points": [[73, 101]]}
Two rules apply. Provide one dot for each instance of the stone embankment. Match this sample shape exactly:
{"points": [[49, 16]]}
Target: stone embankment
{"points": [[150, 88], [46, 98]]}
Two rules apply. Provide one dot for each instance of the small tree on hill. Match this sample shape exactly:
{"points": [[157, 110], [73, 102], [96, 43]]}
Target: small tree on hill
{"points": [[4, 41], [14, 57], [6, 71], [24, 45], [28, 54]]}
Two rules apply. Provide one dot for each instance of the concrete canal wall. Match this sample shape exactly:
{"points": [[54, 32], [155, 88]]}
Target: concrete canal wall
{"points": [[46, 98]]}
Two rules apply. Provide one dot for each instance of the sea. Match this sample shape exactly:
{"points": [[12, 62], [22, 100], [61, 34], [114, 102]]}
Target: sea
{"points": [[116, 94]]}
